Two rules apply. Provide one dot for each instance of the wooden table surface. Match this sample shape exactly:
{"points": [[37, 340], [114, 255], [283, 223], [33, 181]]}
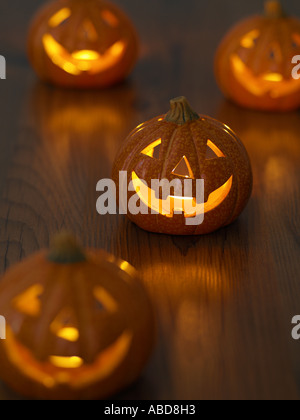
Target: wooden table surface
{"points": [[225, 301]]}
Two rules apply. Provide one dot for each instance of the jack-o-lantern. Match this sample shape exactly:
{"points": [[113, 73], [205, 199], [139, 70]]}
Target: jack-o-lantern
{"points": [[254, 62], [82, 43], [79, 324], [180, 146]]}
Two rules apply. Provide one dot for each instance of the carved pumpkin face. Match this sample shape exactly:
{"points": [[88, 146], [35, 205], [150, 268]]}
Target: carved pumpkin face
{"points": [[179, 146], [254, 62], [78, 325], [82, 43]]}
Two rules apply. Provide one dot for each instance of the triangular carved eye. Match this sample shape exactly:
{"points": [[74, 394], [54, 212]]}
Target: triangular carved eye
{"points": [[60, 17], [110, 18], [212, 151], [183, 169], [250, 40], [28, 302], [105, 300], [153, 149]]}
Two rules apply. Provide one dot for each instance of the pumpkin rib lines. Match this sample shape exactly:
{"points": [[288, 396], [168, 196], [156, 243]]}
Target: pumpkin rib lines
{"points": [[83, 300], [172, 139], [51, 302], [198, 159]]}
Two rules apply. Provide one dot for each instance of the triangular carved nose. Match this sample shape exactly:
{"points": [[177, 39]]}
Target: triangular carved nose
{"points": [[64, 326], [183, 169], [87, 31]]}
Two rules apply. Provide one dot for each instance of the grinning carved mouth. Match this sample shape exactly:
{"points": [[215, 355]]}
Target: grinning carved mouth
{"points": [[82, 61], [268, 83], [186, 205], [69, 370]]}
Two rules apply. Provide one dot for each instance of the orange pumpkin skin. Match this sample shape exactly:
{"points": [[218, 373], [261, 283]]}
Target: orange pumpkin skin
{"points": [[82, 44], [253, 64], [185, 134], [75, 330]]}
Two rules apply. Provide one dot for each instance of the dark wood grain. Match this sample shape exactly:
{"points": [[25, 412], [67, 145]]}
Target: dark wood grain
{"points": [[224, 301]]}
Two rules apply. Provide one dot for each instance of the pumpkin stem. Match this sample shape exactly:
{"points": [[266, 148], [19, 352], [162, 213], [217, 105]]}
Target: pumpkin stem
{"points": [[181, 112], [273, 9], [64, 249]]}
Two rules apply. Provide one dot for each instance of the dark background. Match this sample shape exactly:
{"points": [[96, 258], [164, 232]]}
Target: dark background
{"points": [[224, 301]]}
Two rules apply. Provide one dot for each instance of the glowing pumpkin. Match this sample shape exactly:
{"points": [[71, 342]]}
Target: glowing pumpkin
{"points": [[79, 324], [82, 43], [254, 62], [179, 146]]}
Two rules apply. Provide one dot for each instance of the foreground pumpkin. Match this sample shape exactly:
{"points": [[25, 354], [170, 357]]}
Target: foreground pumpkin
{"points": [[176, 147], [82, 43], [79, 324], [254, 62]]}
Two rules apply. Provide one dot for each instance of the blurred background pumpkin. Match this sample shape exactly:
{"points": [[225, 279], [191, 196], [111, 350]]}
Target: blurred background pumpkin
{"points": [[254, 63], [79, 324], [82, 43]]}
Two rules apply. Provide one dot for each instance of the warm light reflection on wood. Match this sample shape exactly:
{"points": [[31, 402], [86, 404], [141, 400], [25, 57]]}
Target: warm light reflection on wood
{"points": [[277, 176]]}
